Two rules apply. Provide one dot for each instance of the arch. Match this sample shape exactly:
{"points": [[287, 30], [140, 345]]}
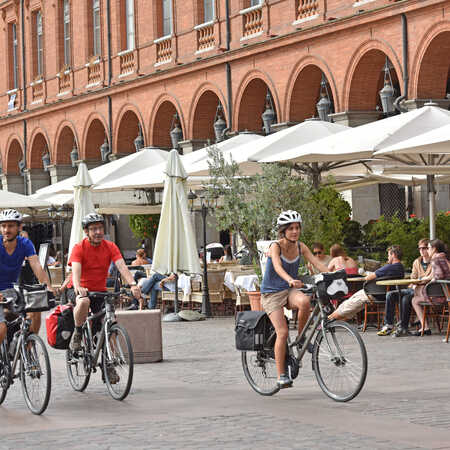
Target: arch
{"points": [[14, 154], [304, 89], [64, 141], [431, 67], [251, 101], [127, 131], [365, 77], [201, 110], [160, 124], [38, 146], [94, 136]]}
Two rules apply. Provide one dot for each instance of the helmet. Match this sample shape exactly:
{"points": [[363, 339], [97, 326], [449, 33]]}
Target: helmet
{"points": [[287, 217], [10, 215], [91, 218]]}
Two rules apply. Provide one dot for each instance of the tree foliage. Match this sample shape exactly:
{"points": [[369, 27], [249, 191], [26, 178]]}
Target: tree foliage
{"points": [[144, 226]]}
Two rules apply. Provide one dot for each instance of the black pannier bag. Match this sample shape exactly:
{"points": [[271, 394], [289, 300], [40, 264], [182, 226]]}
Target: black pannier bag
{"points": [[252, 329], [331, 285]]}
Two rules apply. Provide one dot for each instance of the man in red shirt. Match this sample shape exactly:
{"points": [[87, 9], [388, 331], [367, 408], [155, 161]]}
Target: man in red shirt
{"points": [[90, 260]]}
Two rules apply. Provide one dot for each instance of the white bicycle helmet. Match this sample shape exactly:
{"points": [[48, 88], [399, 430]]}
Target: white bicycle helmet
{"points": [[10, 215], [287, 217], [92, 218]]}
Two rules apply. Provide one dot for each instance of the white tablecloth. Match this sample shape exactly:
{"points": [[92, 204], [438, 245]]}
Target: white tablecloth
{"points": [[247, 282], [228, 281]]}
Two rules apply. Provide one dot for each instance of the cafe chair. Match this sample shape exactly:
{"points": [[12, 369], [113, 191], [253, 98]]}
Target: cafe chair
{"points": [[438, 309], [215, 287]]}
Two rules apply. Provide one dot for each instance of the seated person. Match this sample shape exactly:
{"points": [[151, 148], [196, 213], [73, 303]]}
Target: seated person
{"points": [[393, 269], [141, 258], [157, 282], [228, 256], [421, 269], [318, 251], [440, 270], [340, 260]]}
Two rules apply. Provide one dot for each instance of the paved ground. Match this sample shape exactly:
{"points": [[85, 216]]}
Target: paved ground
{"points": [[198, 398]]}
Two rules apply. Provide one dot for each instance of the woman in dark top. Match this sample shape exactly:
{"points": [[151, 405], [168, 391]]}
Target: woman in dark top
{"points": [[280, 284]]}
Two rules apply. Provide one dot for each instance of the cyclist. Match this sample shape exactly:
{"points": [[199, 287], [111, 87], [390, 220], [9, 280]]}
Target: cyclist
{"points": [[13, 251], [90, 260], [280, 283]]}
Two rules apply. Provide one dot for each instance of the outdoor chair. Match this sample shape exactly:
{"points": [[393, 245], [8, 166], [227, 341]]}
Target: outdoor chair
{"points": [[215, 286], [437, 311]]}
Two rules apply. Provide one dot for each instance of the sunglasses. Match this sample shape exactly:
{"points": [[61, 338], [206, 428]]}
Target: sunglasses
{"points": [[423, 248], [317, 253]]}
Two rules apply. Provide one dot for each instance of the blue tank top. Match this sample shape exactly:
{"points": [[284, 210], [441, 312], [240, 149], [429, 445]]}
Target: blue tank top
{"points": [[272, 282]]}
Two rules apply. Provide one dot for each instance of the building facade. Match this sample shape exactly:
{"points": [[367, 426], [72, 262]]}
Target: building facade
{"points": [[79, 75]]}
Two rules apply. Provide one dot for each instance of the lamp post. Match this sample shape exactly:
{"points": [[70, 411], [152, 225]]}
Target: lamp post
{"points": [[324, 104], [46, 159], [205, 205], [219, 124], [388, 91], [176, 133], [268, 116], [139, 141], [74, 156], [62, 214], [105, 151]]}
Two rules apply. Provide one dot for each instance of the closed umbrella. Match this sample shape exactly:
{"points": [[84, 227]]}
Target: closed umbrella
{"points": [[175, 246], [82, 202]]}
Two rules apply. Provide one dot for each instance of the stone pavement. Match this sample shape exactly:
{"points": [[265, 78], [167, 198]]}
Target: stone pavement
{"points": [[199, 398]]}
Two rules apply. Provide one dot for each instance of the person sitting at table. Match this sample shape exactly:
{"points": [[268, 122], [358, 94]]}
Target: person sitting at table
{"points": [[438, 253], [421, 270], [393, 269], [141, 258], [156, 283], [318, 250], [340, 260], [228, 256]]}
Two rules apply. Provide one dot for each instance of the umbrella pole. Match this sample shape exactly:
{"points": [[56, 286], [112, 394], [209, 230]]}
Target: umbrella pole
{"points": [[175, 306], [431, 205]]}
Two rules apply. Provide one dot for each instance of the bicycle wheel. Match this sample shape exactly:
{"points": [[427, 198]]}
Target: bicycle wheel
{"points": [[35, 374], [261, 371], [4, 372], [118, 366], [79, 365], [340, 361]]}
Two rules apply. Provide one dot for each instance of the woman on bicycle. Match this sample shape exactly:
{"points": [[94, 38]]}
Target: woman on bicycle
{"points": [[280, 283]]}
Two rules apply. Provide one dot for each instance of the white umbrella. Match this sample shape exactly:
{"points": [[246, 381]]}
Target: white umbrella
{"points": [[24, 203], [114, 170], [83, 204], [154, 177], [175, 246]]}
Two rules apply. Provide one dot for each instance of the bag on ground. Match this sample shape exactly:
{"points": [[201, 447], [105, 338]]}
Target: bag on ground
{"points": [[60, 326], [252, 328]]}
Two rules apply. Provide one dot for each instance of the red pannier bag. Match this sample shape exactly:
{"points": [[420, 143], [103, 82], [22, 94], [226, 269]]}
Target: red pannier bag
{"points": [[60, 326]]}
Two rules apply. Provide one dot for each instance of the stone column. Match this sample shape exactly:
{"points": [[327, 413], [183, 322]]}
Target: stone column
{"points": [[355, 118], [61, 172], [36, 179], [13, 183], [192, 145]]}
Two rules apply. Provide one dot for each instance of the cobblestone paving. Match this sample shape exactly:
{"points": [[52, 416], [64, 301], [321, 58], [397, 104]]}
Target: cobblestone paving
{"points": [[199, 398]]}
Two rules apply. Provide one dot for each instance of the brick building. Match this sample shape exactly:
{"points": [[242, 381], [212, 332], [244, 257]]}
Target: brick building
{"points": [[76, 74]]}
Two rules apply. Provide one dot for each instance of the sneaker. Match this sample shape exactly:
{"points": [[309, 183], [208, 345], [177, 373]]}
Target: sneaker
{"points": [[284, 381], [425, 333], [401, 332], [386, 330], [75, 342], [113, 376]]}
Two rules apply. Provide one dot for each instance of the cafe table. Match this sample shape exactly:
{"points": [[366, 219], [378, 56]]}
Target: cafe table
{"points": [[398, 285]]}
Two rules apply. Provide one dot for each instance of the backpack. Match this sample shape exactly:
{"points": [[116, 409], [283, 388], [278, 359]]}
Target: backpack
{"points": [[60, 326], [331, 285], [252, 330]]}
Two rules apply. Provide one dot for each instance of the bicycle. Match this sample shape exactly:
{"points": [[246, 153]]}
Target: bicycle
{"points": [[26, 347], [339, 357], [110, 349]]}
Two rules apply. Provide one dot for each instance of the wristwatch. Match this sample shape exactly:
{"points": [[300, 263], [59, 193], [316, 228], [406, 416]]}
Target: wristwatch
{"points": [[133, 284]]}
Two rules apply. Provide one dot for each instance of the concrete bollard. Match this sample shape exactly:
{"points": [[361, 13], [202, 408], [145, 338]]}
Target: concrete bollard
{"points": [[144, 329]]}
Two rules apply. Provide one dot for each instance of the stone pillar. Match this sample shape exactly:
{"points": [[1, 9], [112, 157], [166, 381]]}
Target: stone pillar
{"points": [[36, 179], [13, 183], [192, 145], [355, 118], [61, 172], [418, 103]]}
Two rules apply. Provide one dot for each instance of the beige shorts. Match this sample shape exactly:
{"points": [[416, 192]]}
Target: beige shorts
{"points": [[275, 300], [353, 305]]}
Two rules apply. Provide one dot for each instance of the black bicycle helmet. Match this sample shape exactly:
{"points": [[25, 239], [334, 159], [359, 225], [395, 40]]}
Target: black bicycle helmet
{"points": [[92, 218]]}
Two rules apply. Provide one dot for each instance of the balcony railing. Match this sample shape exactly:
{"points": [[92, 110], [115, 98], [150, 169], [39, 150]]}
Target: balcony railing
{"points": [[37, 91], [94, 72], [205, 36], [127, 62], [163, 49], [252, 21], [64, 81], [307, 9]]}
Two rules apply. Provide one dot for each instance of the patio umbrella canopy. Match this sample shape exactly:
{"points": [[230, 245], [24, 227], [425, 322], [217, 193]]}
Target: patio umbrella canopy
{"points": [[11, 200], [146, 178], [175, 246], [83, 204]]}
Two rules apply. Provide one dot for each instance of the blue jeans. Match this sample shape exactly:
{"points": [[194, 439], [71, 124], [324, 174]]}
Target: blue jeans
{"points": [[152, 286], [405, 307]]}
